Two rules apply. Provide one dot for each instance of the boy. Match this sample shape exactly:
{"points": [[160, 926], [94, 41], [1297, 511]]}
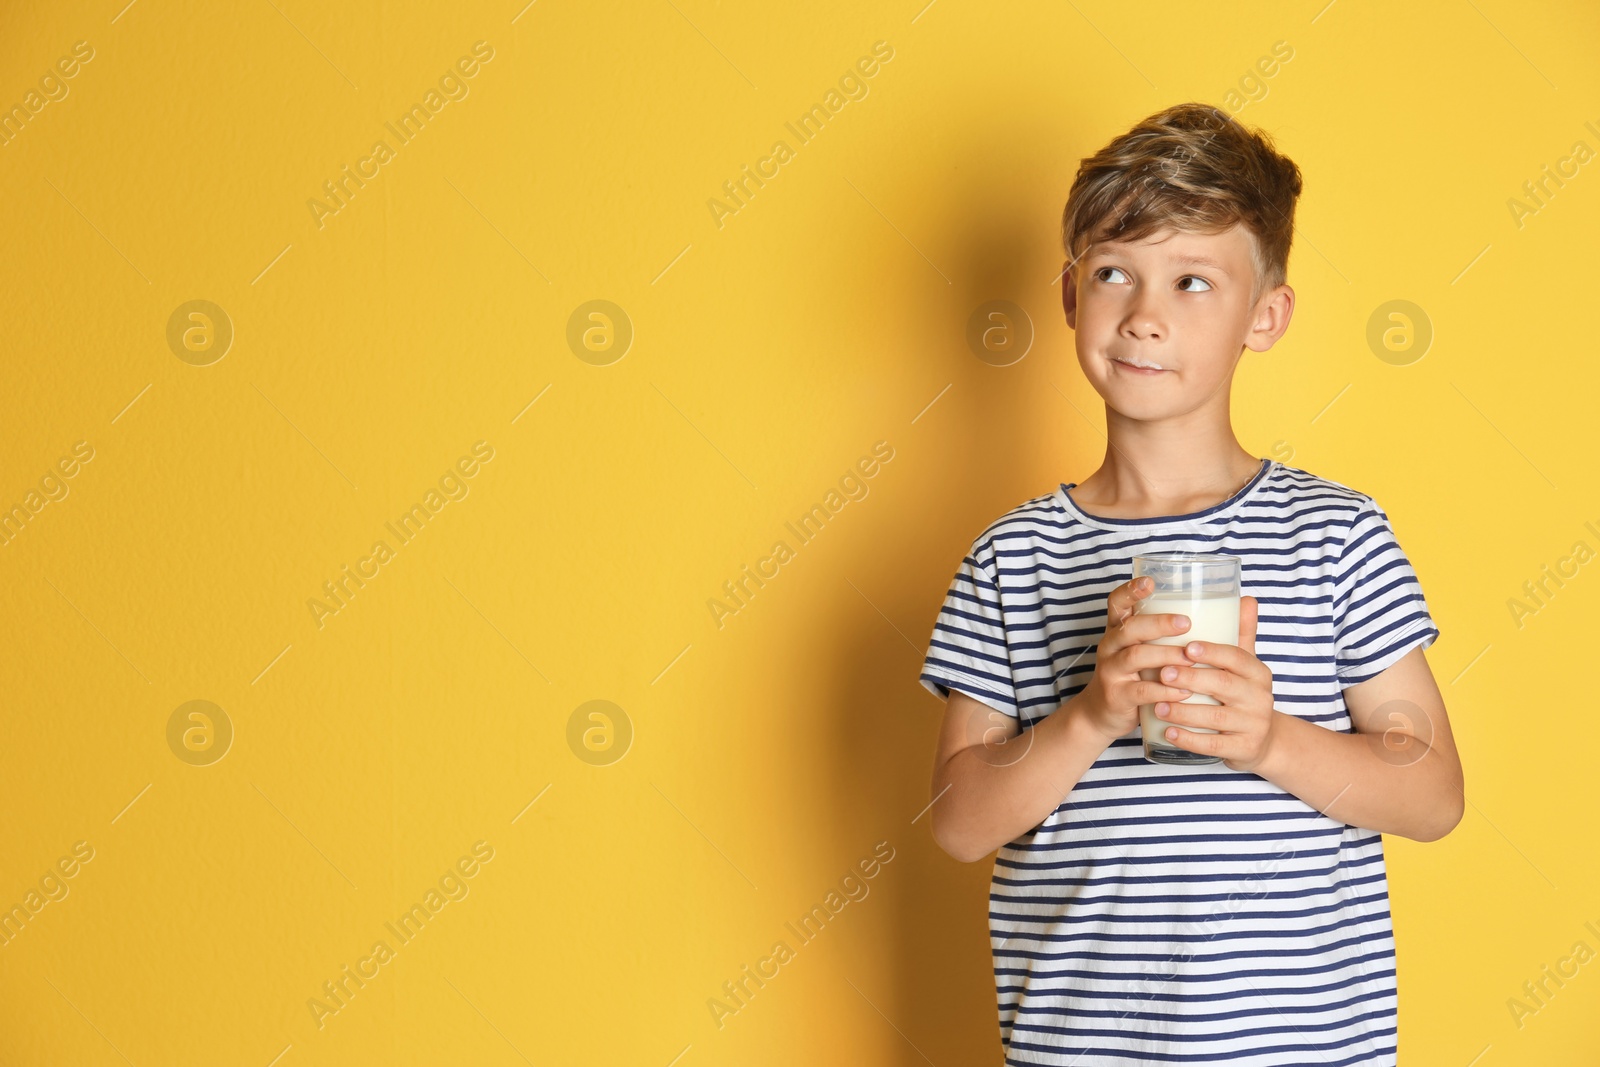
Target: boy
{"points": [[1228, 913]]}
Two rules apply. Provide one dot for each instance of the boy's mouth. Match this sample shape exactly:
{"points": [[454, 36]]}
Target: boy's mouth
{"points": [[1139, 366]]}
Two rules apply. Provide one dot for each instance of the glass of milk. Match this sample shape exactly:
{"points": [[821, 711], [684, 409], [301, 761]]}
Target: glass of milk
{"points": [[1206, 589]]}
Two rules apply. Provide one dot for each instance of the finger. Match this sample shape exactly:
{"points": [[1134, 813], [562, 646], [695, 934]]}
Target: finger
{"points": [[1147, 655], [1124, 599], [1143, 629], [1152, 692], [1249, 615], [1228, 746], [1212, 681], [1211, 716], [1230, 658]]}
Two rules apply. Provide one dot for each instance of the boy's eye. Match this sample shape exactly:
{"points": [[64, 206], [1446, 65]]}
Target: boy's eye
{"points": [[1105, 274]]}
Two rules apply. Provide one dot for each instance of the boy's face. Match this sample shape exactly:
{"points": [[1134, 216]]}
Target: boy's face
{"points": [[1178, 301]]}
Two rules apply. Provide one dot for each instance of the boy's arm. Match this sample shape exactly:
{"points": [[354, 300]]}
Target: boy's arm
{"points": [[993, 782], [1399, 773]]}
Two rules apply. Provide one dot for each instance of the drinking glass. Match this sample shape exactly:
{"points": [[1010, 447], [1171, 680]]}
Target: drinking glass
{"points": [[1206, 589]]}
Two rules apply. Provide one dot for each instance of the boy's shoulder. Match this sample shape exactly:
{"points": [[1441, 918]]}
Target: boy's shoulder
{"points": [[1282, 488], [1295, 485]]}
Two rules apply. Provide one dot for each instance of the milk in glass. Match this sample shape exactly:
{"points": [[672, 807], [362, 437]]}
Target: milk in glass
{"points": [[1212, 619]]}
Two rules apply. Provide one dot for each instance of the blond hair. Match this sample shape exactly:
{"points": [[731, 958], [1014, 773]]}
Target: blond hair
{"points": [[1191, 168]]}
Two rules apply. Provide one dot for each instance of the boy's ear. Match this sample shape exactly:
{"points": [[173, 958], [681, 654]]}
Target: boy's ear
{"points": [[1069, 296], [1272, 319]]}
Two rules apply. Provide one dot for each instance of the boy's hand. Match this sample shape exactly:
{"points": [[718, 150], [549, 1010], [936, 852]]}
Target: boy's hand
{"points": [[1110, 702], [1245, 718]]}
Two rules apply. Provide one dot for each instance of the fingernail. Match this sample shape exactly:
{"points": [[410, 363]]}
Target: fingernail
{"points": [[1194, 648], [1183, 622], [1162, 709]]}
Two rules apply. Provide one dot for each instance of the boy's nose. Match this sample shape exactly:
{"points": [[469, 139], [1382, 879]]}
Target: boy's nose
{"points": [[1145, 317], [1144, 325]]}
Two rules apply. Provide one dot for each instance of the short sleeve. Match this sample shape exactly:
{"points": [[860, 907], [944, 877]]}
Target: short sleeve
{"points": [[968, 649], [1379, 613]]}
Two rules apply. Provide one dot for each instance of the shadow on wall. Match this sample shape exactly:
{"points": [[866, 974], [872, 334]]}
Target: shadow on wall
{"points": [[996, 438]]}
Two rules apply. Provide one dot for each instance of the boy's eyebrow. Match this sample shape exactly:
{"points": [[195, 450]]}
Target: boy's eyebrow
{"points": [[1192, 260]]}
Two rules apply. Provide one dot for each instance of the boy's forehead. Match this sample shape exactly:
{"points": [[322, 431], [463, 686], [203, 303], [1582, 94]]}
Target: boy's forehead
{"points": [[1168, 239]]}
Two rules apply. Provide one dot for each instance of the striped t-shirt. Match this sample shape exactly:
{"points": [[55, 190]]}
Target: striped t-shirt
{"points": [[1199, 914]]}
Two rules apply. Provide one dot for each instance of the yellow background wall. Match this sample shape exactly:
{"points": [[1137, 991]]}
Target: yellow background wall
{"points": [[772, 348]]}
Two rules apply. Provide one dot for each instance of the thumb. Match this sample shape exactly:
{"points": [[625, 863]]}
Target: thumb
{"points": [[1248, 613]]}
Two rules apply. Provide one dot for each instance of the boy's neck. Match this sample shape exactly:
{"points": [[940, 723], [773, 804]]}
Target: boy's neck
{"points": [[1148, 473]]}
